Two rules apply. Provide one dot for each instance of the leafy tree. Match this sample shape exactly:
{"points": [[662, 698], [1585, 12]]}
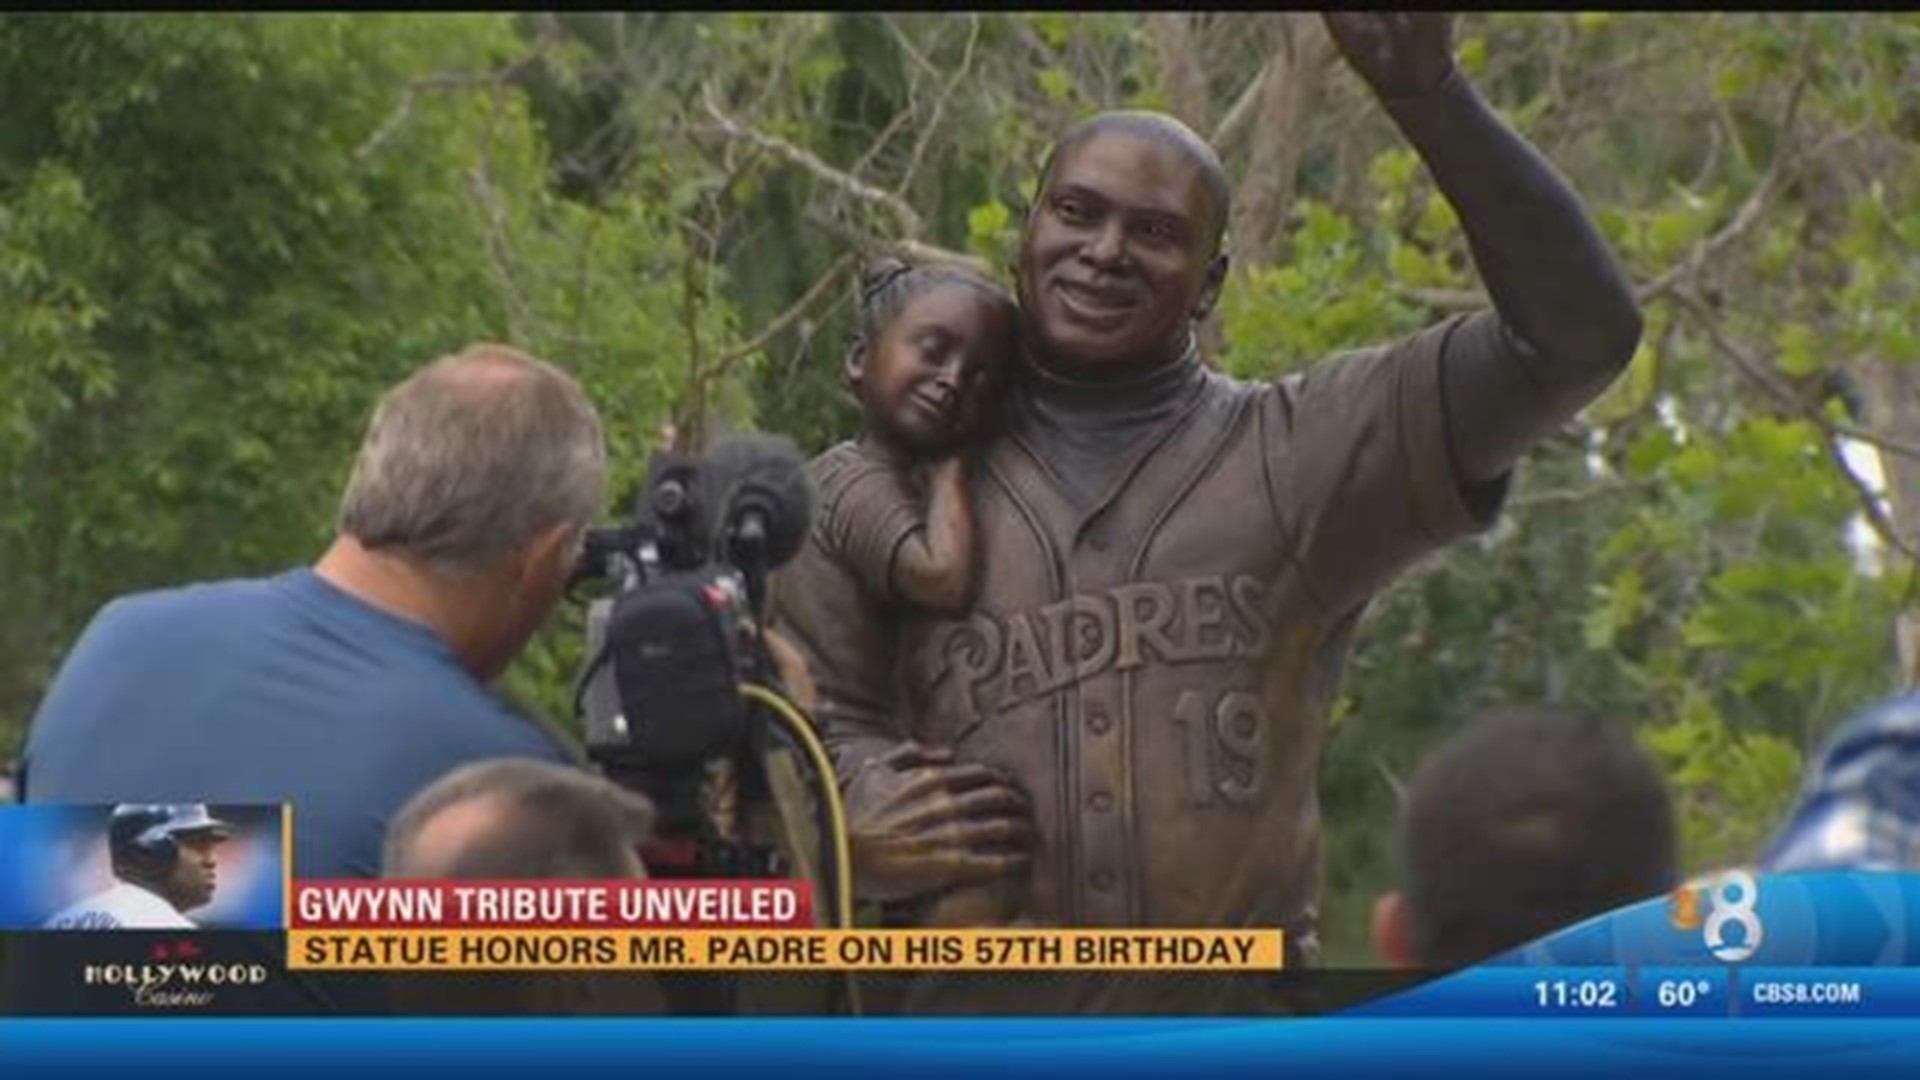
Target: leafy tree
{"points": [[223, 237]]}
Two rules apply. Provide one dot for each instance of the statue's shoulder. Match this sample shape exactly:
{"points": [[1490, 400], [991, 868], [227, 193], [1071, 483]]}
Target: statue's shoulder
{"points": [[841, 466], [839, 456]]}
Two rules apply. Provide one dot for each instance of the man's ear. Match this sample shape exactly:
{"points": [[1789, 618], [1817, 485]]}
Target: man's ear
{"points": [[856, 362], [1210, 289], [554, 547], [1393, 930]]}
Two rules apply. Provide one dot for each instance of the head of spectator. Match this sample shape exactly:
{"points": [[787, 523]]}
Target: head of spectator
{"points": [[1859, 807], [470, 498], [1526, 821], [518, 818]]}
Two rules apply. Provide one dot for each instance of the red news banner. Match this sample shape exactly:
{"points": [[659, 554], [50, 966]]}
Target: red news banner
{"points": [[740, 925], [552, 905]]}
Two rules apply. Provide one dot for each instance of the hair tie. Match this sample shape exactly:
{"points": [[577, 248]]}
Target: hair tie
{"points": [[882, 275]]}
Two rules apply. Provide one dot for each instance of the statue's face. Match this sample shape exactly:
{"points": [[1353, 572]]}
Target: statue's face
{"points": [[1117, 258], [925, 380]]}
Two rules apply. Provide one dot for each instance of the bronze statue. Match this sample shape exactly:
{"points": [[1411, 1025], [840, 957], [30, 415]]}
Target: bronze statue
{"points": [[1171, 562]]}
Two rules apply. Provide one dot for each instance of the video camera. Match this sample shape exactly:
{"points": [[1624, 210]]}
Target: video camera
{"points": [[679, 635], [681, 700]]}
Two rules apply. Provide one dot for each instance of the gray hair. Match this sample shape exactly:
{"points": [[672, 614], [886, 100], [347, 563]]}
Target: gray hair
{"points": [[547, 821], [473, 456]]}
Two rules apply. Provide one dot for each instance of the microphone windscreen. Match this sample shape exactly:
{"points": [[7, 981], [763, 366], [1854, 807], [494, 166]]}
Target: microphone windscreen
{"points": [[767, 474]]}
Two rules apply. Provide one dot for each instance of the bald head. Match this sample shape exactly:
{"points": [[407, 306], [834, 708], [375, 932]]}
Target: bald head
{"points": [[445, 838], [519, 818], [1163, 129]]}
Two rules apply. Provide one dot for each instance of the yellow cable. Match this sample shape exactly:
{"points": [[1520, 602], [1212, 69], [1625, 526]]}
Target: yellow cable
{"points": [[802, 731]]}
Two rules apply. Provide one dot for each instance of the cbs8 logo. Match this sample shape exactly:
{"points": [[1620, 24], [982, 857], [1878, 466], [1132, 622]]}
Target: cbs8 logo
{"points": [[1731, 927]]}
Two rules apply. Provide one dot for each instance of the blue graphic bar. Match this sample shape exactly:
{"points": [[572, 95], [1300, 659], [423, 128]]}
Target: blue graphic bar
{"points": [[1775, 992], [715, 1049], [1698, 992], [1701, 992], [1594, 992]]}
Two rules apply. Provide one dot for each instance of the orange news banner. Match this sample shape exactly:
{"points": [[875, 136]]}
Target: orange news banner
{"points": [[465, 949]]}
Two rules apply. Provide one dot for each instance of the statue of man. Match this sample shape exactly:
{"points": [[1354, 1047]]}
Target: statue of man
{"points": [[1125, 725]]}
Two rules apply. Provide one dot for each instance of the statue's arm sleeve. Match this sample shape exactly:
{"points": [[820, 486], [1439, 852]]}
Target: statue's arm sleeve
{"points": [[1564, 322], [1378, 456], [868, 509]]}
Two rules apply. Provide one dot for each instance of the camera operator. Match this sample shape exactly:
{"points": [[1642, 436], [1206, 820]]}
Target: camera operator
{"points": [[346, 687]]}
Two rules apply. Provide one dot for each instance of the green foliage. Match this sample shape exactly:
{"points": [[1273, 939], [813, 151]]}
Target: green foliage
{"points": [[992, 233], [1333, 294], [221, 246]]}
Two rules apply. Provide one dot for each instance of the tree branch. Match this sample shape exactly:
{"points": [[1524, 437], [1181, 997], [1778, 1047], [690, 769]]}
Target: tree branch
{"points": [[1233, 126], [940, 104], [500, 255], [901, 39], [410, 94], [1453, 301], [913, 251], [1181, 68], [1300, 50], [403, 111], [1745, 217], [1564, 496], [910, 223], [807, 302], [1761, 373], [1870, 505]]}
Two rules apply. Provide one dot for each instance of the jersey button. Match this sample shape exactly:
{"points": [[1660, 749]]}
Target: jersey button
{"points": [[1102, 880], [1100, 801], [1098, 720]]}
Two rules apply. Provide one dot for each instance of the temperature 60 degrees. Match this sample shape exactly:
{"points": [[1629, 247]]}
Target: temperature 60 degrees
{"points": [[1681, 993]]}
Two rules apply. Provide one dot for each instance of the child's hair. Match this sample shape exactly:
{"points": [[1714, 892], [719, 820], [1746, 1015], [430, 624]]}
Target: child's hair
{"points": [[887, 284], [1527, 820]]}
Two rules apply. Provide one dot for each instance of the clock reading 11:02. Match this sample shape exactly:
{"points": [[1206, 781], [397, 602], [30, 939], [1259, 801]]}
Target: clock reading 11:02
{"points": [[1577, 994]]}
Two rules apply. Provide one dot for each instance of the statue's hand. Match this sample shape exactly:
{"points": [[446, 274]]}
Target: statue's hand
{"points": [[920, 823], [1399, 54]]}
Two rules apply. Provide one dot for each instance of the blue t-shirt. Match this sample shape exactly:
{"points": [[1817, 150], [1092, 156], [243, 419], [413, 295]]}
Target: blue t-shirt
{"points": [[283, 689]]}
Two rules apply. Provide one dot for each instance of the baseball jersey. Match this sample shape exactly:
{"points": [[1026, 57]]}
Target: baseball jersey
{"points": [[126, 906], [1154, 666]]}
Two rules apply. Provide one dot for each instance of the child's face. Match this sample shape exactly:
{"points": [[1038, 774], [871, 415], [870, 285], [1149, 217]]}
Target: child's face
{"points": [[925, 381]]}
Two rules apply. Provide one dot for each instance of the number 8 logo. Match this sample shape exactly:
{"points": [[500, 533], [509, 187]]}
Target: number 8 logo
{"points": [[1730, 899]]}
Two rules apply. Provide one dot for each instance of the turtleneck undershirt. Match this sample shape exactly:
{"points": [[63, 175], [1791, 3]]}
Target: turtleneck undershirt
{"points": [[1087, 432]]}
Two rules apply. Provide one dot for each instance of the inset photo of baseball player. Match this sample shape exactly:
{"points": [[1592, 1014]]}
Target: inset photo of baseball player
{"points": [[141, 866]]}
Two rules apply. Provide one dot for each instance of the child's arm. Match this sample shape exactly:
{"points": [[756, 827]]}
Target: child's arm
{"points": [[933, 566]]}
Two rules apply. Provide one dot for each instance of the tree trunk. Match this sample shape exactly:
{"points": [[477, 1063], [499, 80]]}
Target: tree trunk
{"points": [[1183, 74], [1893, 407], [1295, 76]]}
